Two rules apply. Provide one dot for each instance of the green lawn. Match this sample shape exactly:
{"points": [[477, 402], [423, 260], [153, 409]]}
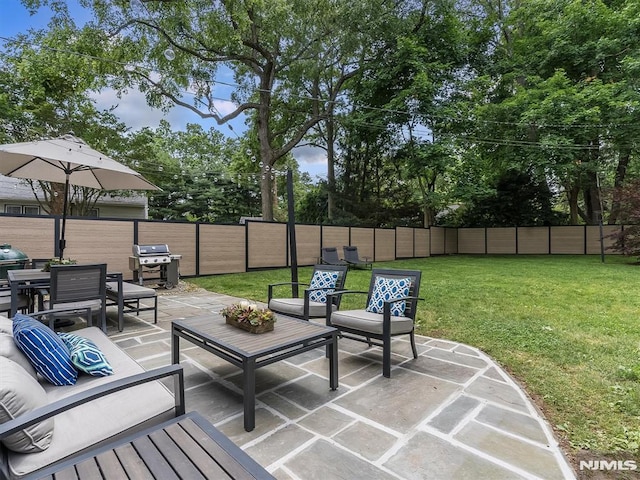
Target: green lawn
{"points": [[567, 327]]}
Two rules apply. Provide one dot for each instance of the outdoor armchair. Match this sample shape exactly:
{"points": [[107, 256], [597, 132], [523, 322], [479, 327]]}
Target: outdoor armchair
{"points": [[353, 259], [390, 311], [313, 304]]}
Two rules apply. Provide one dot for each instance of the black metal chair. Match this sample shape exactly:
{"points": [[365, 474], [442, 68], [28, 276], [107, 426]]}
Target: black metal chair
{"points": [[313, 303], [329, 256], [80, 287], [24, 301], [353, 259], [390, 311], [127, 297]]}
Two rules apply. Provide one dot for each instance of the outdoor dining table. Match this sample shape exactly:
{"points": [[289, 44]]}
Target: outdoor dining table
{"points": [[31, 279]]}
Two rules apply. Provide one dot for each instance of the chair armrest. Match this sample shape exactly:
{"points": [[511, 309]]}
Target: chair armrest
{"points": [[271, 285], [344, 292], [386, 312], [64, 404]]}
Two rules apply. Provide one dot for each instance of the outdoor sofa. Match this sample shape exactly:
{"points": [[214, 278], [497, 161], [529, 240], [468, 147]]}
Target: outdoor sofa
{"points": [[104, 408]]}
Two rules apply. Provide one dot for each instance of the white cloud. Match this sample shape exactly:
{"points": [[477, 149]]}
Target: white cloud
{"points": [[312, 160], [133, 110]]}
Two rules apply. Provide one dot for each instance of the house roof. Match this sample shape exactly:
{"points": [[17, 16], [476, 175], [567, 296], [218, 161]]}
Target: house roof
{"points": [[17, 190]]}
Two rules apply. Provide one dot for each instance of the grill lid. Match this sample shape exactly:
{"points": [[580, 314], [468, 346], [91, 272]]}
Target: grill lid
{"points": [[147, 250], [13, 254]]}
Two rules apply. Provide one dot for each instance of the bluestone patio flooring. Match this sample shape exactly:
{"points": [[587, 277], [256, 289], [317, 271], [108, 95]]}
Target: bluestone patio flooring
{"points": [[451, 414]]}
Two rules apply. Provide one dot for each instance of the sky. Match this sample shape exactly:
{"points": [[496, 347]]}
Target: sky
{"points": [[132, 109]]}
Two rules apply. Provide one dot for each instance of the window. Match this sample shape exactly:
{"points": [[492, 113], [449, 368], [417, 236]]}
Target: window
{"points": [[12, 209], [31, 210], [26, 209], [93, 213]]}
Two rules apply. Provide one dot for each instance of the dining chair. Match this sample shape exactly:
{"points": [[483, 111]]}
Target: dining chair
{"points": [[78, 286], [24, 301]]}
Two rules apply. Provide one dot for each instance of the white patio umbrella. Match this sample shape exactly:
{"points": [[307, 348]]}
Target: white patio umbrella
{"points": [[69, 160]]}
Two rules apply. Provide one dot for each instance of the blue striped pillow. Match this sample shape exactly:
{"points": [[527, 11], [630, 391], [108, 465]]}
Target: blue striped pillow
{"points": [[45, 350], [86, 356]]}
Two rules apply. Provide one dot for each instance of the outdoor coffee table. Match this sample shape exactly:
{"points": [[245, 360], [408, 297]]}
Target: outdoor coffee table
{"points": [[184, 447], [251, 351]]}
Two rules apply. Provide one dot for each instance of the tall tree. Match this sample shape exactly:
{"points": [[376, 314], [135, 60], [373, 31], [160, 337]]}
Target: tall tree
{"points": [[559, 94], [275, 52]]}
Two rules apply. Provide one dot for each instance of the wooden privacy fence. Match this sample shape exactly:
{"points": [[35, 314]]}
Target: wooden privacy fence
{"points": [[209, 249]]}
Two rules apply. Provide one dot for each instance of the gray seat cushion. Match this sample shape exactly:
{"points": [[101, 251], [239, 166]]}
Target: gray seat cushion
{"points": [[129, 291], [370, 322], [295, 306]]}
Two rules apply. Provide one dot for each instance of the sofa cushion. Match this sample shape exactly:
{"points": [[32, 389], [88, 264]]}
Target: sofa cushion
{"points": [[86, 356], [10, 350], [45, 350], [21, 393]]}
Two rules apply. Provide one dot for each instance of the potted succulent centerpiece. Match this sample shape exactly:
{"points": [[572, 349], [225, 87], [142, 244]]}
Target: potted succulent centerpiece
{"points": [[249, 317], [57, 261]]}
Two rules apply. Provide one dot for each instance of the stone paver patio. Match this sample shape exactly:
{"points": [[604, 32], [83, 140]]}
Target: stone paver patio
{"points": [[450, 414]]}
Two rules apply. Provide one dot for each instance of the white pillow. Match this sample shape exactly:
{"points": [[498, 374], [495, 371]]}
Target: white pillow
{"points": [[20, 393], [9, 349]]}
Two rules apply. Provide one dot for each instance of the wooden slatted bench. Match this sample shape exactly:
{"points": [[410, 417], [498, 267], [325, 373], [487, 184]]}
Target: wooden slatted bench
{"points": [[186, 447]]}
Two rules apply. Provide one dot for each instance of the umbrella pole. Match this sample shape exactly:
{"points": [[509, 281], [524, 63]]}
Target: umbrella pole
{"points": [[62, 242], [293, 251]]}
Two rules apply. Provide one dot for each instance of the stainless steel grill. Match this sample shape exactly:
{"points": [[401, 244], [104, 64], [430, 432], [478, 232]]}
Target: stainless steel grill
{"points": [[155, 264]]}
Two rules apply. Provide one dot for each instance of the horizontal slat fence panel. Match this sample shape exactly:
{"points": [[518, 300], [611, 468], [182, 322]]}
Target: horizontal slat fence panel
{"points": [[267, 245], [236, 248], [385, 245], [100, 241], [335, 237], [180, 236], [593, 238], [451, 241], [501, 241], [422, 242], [567, 240], [34, 236], [404, 242], [471, 241], [222, 249], [364, 239], [307, 244], [533, 240], [437, 241]]}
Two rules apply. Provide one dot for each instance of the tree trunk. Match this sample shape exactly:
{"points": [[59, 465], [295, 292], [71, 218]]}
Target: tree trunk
{"points": [[572, 199]]}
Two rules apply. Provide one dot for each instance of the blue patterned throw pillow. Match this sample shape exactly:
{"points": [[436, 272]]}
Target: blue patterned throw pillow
{"points": [[45, 350], [386, 290], [86, 356], [322, 279]]}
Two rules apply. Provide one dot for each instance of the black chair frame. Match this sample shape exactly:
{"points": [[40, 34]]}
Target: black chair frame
{"points": [[307, 291], [383, 340]]}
